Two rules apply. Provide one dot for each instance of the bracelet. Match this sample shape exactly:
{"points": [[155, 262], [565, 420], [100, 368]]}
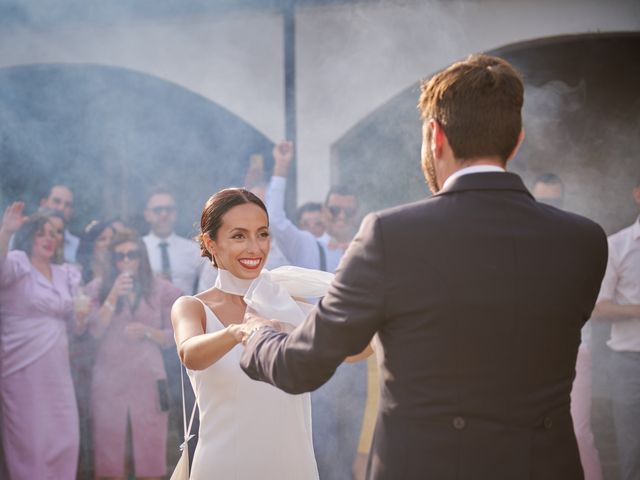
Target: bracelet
{"points": [[252, 333], [109, 305]]}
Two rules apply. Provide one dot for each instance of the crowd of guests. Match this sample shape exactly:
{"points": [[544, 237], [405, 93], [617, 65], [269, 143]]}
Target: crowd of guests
{"points": [[85, 326], [90, 376]]}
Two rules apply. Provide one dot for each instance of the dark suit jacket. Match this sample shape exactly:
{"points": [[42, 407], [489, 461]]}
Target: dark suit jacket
{"points": [[478, 295]]}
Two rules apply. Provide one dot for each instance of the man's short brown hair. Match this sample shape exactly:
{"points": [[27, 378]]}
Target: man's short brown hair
{"points": [[478, 104]]}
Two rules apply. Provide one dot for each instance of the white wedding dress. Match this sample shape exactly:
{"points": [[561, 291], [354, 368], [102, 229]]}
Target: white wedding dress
{"points": [[248, 429]]}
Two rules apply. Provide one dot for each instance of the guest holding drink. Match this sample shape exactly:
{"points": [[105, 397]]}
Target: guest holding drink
{"points": [[39, 413], [131, 322]]}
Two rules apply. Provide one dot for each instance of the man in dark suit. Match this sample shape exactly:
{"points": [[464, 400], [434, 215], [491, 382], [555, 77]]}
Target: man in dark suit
{"points": [[477, 296]]}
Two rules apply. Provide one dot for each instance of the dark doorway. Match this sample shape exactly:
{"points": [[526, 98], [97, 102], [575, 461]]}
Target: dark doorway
{"points": [[112, 134]]}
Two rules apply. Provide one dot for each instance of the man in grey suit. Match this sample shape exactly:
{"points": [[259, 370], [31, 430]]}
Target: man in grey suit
{"points": [[477, 296]]}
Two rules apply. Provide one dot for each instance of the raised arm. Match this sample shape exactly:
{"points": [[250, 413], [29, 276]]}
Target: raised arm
{"points": [[12, 267], [299, 246], [198, 350], [12, 220], [341, 325]]}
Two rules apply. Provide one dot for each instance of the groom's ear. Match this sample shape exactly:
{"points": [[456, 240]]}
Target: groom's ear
{"points": [[438, 138]]}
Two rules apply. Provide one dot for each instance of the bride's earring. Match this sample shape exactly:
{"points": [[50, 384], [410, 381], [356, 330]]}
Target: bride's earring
{"points": [[214, 262]]}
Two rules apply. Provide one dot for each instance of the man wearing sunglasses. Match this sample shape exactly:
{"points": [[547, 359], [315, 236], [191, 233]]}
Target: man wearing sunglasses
{"points": [[174, 257]]}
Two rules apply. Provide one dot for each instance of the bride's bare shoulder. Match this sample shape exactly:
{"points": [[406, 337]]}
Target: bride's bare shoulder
{"points": [[186, 304]]}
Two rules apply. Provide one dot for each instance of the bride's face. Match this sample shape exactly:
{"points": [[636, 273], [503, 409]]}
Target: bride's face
{"points": [[242, 243]]}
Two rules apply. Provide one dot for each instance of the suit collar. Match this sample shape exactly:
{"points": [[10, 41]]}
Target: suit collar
{"points": [[468, 170], [486, 181]]}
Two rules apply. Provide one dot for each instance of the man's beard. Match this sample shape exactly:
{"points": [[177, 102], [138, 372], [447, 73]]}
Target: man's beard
{"points": [[428, 166]]}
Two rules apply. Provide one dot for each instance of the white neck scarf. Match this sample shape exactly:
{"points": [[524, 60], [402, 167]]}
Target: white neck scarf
{"points": [[229, 283], [271, 294]]}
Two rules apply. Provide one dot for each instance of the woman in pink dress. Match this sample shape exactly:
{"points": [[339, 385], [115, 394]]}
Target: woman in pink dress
{"points": [[39, 413], [131, 323]]}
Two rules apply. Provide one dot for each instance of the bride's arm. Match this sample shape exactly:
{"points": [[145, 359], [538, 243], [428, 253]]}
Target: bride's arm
{"points": [[199, 350]]}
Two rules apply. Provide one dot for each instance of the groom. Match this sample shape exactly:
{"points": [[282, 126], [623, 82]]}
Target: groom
{"points": [[477, 296]]}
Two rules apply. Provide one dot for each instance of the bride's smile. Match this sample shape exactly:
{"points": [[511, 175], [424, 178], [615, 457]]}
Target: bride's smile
{"points": [[250, 263]]}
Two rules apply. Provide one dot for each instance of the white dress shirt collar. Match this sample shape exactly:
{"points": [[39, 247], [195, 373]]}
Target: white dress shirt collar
{"points": [[468, 170], [156, 239]]}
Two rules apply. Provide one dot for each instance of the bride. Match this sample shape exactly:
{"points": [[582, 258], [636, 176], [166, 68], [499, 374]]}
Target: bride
{"points": [[248, 429]]}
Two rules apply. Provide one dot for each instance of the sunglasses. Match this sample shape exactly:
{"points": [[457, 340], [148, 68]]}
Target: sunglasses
{"points": [[348, 212], [163, 209], [131, 255]]}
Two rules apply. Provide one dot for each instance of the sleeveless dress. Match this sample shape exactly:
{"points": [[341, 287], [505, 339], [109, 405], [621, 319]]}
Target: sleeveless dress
{"points": [[248, 430]]}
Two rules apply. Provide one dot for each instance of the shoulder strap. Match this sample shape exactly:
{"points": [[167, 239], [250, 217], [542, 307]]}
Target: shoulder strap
{"points": [[323, 257], [186, 429]]}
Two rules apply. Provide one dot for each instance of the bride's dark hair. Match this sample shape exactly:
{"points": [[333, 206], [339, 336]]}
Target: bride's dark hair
{"points": [[215, 208]]}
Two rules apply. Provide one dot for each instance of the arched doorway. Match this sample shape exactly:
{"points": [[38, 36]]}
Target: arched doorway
{"points": [[111, 134], [581, 115]]}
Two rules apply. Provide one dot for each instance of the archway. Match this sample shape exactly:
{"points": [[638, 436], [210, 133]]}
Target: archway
{"points": [[111, 134]]}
